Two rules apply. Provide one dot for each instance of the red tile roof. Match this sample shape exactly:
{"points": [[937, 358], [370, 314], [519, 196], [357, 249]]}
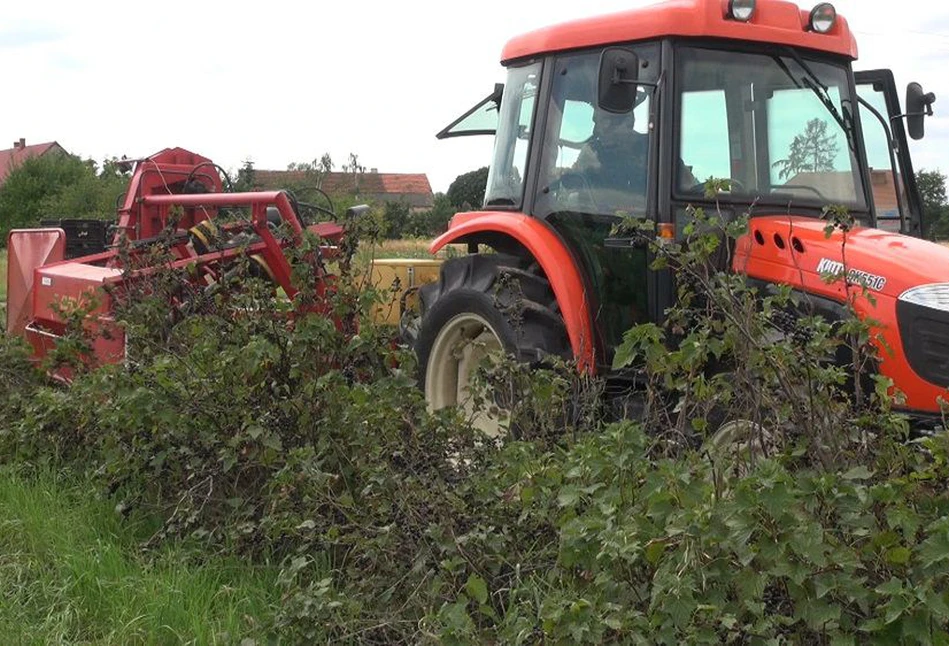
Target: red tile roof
{"points": [[841, 183], [411, 187], [884, 191], [11, 158]]}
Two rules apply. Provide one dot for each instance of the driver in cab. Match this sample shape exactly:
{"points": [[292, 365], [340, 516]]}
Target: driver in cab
{"points": [[614, 161]]}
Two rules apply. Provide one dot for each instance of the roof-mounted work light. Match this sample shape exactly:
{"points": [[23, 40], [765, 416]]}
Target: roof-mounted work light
{"points": [[823, 17], [741, 10]]}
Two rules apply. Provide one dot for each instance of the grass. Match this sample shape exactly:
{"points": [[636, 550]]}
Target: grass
{"points": [[71, 572], [405, 248]]}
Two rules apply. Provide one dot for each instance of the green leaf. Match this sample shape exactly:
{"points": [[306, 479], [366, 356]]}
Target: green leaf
{"points": [[895, 609], [898, 555], [937, 604], [858, 473], [680, 609], [456, 617], [614, 622], [892, 587], [477, 589], [568, 496], [824, 584], [934, 549], [916, 626], [843, 640], [886, 539], [272, 441], [654, 551], [817, 613]]}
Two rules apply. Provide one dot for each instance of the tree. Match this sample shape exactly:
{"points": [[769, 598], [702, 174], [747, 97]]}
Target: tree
{"points": [[395, 217], [246, 177], [426, 224], [814, 150], [325, 164], [59, 186], [93, 194], [355, 168], [314, 171], [932, 190], [309, 185], [467, 191]]}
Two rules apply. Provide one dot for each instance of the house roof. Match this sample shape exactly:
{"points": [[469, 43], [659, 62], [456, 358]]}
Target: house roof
{"points": [[841, 183], [10, 158], [884, 192], [412, 187]]}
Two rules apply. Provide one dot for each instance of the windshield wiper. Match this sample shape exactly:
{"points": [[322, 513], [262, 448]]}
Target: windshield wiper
{"points": [[813, 83], [501, 201]]}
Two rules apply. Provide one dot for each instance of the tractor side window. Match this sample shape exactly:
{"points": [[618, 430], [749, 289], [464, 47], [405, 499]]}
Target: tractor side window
{"points": [[704, 140], [882, 182], [594, 161], [576, 128], [509, 168]]}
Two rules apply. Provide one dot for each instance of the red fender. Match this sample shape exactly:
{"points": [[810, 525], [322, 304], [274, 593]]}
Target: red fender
{"points": [[552, 256]]}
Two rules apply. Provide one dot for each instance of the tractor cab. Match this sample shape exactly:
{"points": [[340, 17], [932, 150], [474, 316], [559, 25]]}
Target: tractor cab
{"points": [[630, 115]]}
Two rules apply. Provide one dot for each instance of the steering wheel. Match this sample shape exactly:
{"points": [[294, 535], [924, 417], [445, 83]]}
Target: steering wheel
{"points": [[799, 187], [573, 183]]}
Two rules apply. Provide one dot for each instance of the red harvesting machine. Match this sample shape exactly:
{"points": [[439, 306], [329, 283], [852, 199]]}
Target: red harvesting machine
{"points": [[175, 198]]}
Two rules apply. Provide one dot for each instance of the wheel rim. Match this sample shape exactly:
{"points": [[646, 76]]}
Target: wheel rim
{"points": [[737, 445], [459, 348]]}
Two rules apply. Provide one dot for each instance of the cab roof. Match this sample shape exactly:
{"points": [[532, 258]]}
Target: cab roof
{"points": [[774, 21]]}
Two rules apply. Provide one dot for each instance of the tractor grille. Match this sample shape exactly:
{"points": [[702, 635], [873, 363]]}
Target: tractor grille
{"points": [[925, 335]]}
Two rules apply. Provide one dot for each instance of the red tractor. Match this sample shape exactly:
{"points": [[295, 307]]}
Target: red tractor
{"points": [[626, 114], [621, 115]]}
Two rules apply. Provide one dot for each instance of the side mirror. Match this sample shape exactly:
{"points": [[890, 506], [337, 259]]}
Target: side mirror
{"points": [[619, 76], [919, 105]]}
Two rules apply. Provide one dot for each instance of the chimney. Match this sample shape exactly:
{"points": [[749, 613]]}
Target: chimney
{"points": [[374, 170], [17, 145]]}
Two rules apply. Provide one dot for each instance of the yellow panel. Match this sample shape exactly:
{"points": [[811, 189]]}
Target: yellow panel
{"points": [[396, 275]]}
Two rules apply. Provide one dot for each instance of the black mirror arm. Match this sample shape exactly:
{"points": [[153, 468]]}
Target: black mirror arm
{"points": [[632, 82], [928, 112]]}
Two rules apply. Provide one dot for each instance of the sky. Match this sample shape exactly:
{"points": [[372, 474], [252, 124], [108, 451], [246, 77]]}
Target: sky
{"points": [[281, 82]]}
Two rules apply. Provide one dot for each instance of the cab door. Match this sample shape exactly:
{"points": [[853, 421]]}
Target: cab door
{"points": [[896, 202]]}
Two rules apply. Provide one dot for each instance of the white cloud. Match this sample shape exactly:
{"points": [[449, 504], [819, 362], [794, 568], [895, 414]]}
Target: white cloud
{"points": [[286, 81]]}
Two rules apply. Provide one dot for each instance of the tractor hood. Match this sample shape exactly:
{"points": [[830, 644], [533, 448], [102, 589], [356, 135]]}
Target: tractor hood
{"points": [[796, 250]]}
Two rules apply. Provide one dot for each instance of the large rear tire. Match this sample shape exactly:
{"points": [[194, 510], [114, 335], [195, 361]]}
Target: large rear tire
{"points": [[483, 304]]}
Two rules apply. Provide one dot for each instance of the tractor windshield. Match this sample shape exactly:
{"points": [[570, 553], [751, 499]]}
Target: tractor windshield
{"points": [[779, 127], [506, 177]]}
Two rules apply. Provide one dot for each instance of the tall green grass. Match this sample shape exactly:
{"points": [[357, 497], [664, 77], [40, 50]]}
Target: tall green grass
{"points": [[71, 571]]}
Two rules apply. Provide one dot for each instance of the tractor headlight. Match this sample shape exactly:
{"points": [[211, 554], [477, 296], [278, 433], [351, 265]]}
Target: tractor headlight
{"points": [[934, 296], [823, 17], [741, 10]]}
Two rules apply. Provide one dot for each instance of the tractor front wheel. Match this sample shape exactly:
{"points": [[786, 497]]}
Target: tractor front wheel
{"points": [[483, 304]]}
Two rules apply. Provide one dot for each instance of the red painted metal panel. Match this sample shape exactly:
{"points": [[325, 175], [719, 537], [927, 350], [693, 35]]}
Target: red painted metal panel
{"points": [[553, 257], [774, 21], [72, 280], [28, 249], [900, 261]]}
